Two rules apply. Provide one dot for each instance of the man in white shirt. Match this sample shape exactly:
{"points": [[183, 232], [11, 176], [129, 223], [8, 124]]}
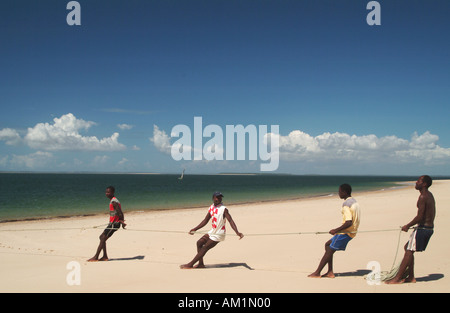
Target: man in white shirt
{"points": [[219, 214]]}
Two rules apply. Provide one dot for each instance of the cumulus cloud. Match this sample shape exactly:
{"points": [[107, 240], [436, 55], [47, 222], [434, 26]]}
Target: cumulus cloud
{"points": [[298, 145], [63, 134], [161, 140], [10, 136], [329, 147], [424, 147]]}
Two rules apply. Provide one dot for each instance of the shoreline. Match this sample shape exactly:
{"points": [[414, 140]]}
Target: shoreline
{"points": [[401, 184]]}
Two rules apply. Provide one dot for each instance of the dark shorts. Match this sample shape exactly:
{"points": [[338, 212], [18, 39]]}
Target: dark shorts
{"points": [[340, 241], [419, 238], [111, 229]]}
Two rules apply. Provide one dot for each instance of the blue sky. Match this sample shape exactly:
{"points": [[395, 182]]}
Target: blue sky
{"points": [[349, 98]]}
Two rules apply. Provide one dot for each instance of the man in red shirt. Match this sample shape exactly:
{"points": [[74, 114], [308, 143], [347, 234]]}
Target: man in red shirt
{"points": [[116, 218]]}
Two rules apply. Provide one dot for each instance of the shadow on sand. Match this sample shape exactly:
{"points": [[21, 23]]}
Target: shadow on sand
{"points": [[430, 277], [229, 265], [138, 257], [353, 274], [360, 273]]}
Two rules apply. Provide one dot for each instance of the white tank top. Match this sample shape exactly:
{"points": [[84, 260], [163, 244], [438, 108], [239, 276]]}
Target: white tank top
{"points": [[217, 233]]}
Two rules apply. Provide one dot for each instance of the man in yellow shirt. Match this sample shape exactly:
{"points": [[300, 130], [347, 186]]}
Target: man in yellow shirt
{"points": [[343, 234]]}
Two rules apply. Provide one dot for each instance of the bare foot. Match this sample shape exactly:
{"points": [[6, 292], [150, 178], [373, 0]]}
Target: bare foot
{"points": [[93, 260], [314, 275], [185, 267], [200, 266], [410, 280], [104, 259], [328, 275]]}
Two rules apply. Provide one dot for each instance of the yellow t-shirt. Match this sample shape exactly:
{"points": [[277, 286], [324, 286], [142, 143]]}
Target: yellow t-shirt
{"points": [[351, 212]]}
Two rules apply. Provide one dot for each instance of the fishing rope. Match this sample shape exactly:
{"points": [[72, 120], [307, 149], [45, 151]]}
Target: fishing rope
{"points": [[52, 229], [184, 232], [388, 275], [382, 276]]}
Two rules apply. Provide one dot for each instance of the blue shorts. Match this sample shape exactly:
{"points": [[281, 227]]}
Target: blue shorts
{"points": [[340, 241]]}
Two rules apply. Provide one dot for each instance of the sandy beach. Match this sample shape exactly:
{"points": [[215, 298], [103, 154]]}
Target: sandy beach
{"points": [[37, 256]]}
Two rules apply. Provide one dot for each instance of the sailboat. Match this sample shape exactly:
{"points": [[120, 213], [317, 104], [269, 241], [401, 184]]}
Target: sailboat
{"points": [[182, 175]]}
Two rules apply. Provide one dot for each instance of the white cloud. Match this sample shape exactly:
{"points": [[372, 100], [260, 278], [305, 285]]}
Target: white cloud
{"points": [[31, 161], [330, 147], [123, 161], [125, 126], [424, 147], [10, 136], [161, 140], [64, 134], [300, 146]]}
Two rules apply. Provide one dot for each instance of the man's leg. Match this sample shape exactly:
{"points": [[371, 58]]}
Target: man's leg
{"points": [[326, 259], [200, 244], [101, 246], [406, 264], [107, 233], [201, 253], [105, 255], [423, 236], [410, 270]]}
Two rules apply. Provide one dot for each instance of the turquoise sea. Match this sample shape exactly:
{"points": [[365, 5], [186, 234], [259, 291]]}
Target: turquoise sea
{"points": [[37, 195]]}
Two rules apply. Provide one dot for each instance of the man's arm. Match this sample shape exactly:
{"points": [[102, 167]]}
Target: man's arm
{"points": [[202, 223], [232, 224], [347, 224], [348, 221], [421, 206]]}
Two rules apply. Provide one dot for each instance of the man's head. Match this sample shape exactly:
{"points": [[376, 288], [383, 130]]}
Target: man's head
{"points": [[110, 192], [424, 181], [217, 198], [345, 191]]}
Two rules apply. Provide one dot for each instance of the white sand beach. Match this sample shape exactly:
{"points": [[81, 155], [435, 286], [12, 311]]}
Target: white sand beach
{"points": [[145, 258]]}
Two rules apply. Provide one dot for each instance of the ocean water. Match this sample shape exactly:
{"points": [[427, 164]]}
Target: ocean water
{"points": [[38, 195]]}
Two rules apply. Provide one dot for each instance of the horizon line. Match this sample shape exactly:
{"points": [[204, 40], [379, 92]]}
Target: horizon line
{"points": [[219, 173]]}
